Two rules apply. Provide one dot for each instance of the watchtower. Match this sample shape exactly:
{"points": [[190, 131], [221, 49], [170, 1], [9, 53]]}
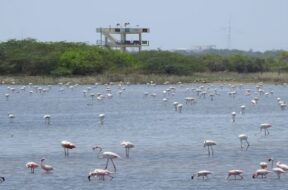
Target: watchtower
{"points": [[117, 37]]}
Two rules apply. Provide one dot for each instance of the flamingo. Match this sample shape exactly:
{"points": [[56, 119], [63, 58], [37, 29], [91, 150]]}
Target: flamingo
{"points": [[47, 119], [242, 138], [260, 172], [235, 173], [278, 164], [11, 116], [32, 166], [101, 117], [282, 166], [107, 155], [243, 107], [179, 108], [203, 173], [175, 105], [100, 173], [45, 167], [209, 143], [2, 179], [278, 171], [233, 116], [67, 145], [263, 165], [127, 145], [265, 127], [7, 96]]}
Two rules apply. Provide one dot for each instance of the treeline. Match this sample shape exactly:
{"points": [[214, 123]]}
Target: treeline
{"points": [[30, 57]]}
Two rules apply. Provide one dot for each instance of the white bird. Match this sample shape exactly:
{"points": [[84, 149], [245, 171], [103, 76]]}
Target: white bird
{"points": [[233, 116], [260, 172], [45, 167], [100, 173], [243, 107], [67, 145], [265, 127], [107, 155], [278, 171], [242, 138], [282, 166], [11, 116], [32, 166], [179, 108], [235, 173], [102, 117], [175, 105], [202, 173], [47, 119], [127, 145], [263, 165], [278, 164], [209, 144], [7, 96]]}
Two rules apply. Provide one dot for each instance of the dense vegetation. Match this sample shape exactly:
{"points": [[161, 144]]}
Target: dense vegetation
{"points": [[30, 57]]}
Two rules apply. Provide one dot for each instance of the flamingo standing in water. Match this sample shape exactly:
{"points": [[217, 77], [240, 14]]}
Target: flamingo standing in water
{"points": [[278, 164], [209, 144], [202, 173], [67, 145], [265, 127], [233, 116], [32, 166], [11, 117], [100, 173], [127, 145], [280, 168], [243, 107], [107, 155], [261, 172], [242, 138], [278, 171], [101, 117], [235, 173], [263, 165], [47, 119], [47, 168]]}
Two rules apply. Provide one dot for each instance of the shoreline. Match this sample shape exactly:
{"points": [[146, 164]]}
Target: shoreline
{"points": [[223, 77]]}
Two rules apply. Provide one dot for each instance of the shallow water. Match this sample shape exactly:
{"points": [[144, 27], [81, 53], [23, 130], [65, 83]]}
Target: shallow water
{"points": [[169, 145]]}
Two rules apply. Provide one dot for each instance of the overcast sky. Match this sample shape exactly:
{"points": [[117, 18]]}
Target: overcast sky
{"points": [[255, 24]]}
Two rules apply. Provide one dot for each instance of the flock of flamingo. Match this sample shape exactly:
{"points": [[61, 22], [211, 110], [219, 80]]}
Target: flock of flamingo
{"points": [[201, 92]]}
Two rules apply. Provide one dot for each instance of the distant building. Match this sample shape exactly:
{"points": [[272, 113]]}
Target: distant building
{"points": [[117, 37]]}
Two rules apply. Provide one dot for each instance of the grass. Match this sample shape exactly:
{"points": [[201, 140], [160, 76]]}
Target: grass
{"points": [[158, 79]]}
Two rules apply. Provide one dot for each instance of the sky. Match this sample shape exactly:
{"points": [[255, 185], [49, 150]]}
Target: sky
{"points": [[257, 25]]}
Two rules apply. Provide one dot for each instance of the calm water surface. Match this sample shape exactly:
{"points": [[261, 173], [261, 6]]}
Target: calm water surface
{"points": [[169, 145]]}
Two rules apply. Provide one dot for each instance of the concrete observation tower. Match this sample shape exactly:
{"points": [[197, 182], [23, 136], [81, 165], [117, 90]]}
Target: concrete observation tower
{"points": [[117, 37]]}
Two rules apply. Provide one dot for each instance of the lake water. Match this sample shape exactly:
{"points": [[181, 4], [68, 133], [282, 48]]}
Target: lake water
{"points": [[168, 145]]}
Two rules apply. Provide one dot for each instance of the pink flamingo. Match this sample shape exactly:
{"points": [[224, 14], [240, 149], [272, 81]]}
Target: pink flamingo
{"points": [[235, 173], [278, 171], [260, 172], [67, 145], [32, 166], [100, 173], [45, 167], [202, 173], [127, 145], [263, 165], [265, 127], [209, 144], [108, 155]]}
